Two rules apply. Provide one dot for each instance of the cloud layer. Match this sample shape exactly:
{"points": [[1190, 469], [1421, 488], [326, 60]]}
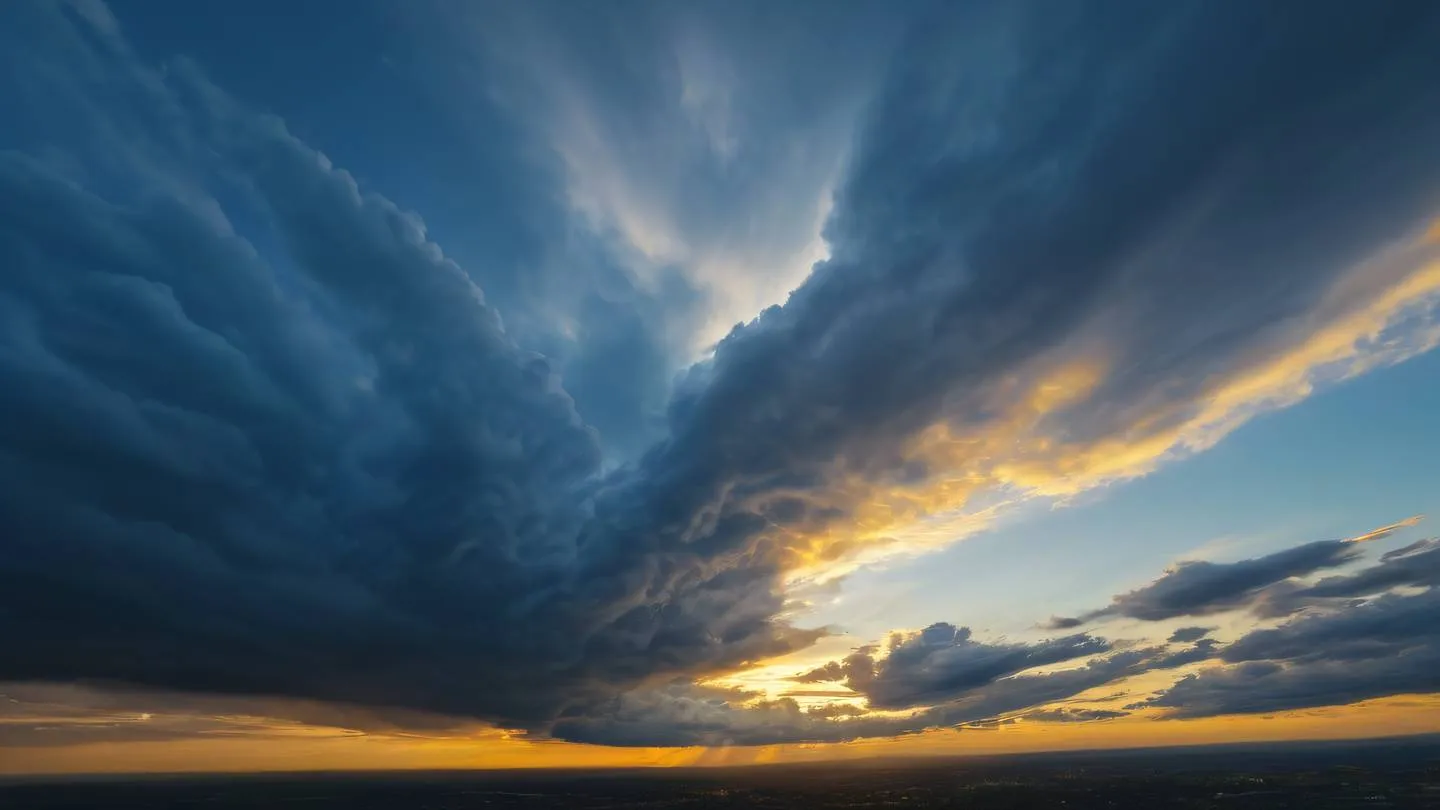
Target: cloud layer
{"points": [[688, 715], [942, 660], [1342, 638], [1200, 588], [262, 436], [1270, 586], [1358, 636], [1380, 648]]}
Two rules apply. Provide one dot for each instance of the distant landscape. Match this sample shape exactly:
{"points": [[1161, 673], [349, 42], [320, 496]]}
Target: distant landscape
{"points": [[1385, 773]]}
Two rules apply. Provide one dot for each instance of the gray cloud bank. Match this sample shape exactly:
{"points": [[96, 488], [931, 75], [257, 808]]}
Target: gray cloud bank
{"points": [[261, 436], [1200, 588], [942, 660], [1351, 638], [1368, 634], [1272, 586], [1343, 638], [688, 715], [1388, 646]]}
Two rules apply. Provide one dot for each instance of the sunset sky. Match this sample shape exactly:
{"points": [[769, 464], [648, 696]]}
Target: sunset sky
{"points": [[451, 384]]}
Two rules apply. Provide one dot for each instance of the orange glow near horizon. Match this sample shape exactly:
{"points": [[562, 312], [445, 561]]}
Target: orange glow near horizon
{"points": [[1395, 716]]}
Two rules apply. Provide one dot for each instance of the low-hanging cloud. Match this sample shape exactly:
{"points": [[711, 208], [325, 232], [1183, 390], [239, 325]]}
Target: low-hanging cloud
{"points": [[1416, 565], [1269, 586], [261, 435], [1355, 637], [1385, 647], [1200, 588], [942, 660], [47, 714], [689, 715], [1370, 633]]}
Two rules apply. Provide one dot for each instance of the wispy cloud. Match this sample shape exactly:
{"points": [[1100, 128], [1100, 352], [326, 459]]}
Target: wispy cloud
{"points": [[700, 140]]}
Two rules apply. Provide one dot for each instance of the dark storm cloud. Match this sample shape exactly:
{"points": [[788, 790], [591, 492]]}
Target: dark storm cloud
{"points": [[261, 436], [990, 216], [310, 465], [1199, 588], [1390, 646], [490, 196]]}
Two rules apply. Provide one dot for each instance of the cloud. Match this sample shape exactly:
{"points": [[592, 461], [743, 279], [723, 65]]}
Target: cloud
{"points": [[1388, 646], [685, 714], [1270, 586], [1063, 715], [1345, 638], [45, 715], [1419, 546], [956, 344], [1200, 588], [263, 436], [1386, 531], [1342, 650], [703, 139], [942, 660], [1416, 565], [1358, 639], [313, 464]]}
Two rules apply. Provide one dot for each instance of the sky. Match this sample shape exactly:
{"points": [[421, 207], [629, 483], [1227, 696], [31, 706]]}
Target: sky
{"points": [[445, 384]]}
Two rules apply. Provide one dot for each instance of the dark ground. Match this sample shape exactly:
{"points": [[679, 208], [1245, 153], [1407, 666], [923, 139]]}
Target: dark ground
{"points": [[1395, 773]]}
